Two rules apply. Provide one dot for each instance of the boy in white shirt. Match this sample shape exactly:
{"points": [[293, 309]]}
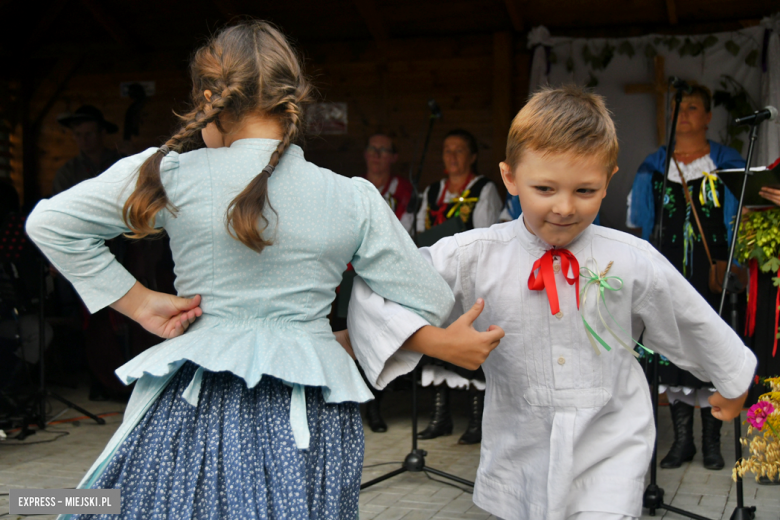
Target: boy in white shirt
{"points": [[568, 428]]}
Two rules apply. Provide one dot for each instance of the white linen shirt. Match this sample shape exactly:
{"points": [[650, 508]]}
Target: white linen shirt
{"points": [[565, 429]]}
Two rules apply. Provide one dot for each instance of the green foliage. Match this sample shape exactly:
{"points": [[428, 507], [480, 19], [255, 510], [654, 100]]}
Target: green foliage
{"points": [[672, 43], [570, 64], [626, 49], [650, 51], [709, 41], [601, 60], [752, 58], [733, 47], [759, 239], [734, 98]]}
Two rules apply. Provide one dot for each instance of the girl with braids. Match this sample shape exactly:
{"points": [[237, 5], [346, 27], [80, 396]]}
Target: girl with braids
{"points": [[253, 413]]}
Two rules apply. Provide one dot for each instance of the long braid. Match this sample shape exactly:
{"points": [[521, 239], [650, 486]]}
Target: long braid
{"points": [[248, 68], [149, 197]]}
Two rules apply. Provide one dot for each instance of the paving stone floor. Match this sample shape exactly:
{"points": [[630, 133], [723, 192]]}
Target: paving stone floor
{"points": [[410, 496]]}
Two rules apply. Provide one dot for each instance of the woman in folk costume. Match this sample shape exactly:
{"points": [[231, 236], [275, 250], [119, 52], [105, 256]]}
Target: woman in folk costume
{"points": [[695, 157], [474, 199], [253, 412]]}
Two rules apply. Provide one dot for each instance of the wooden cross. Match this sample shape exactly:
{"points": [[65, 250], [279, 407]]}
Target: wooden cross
{"points": [[659, 87]]}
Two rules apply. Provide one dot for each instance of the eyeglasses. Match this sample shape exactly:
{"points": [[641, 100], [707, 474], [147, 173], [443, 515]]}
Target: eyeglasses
{"points": [[379, 151]]}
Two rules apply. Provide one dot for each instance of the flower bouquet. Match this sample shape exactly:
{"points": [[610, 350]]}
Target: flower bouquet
{"points": [[763, 420]]}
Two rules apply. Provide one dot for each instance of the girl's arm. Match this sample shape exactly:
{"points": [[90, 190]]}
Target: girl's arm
{"points": [[162, 314]]}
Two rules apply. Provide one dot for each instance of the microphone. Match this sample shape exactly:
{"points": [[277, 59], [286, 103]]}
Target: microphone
{"points": [[768, 113], [680, 84], [435, 110]]}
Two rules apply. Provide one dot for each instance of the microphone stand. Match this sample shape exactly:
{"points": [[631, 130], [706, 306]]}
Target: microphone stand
{"points": [[415, 460], [740, 511], [653, 497]]}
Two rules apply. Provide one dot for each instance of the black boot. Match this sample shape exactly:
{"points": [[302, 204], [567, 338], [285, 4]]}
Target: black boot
{"points": [[683, 449], [374, 416], [473, 434], [710, 440], [441, 419]]}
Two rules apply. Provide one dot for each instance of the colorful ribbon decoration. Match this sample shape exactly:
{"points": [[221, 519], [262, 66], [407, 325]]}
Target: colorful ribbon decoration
{"points": [[709, 179], [546, 277], [603, 283], [752, 298], [460, 200], [689, 237]]}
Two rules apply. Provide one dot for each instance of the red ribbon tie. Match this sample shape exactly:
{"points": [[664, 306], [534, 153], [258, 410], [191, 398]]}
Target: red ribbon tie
{"points": [[545, 279]]}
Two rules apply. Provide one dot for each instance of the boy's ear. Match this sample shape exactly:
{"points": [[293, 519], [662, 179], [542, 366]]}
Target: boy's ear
{"points": [[508, 176]]}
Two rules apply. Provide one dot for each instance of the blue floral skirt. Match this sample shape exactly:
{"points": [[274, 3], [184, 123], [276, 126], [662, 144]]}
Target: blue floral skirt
{"points": [[234, 456]]}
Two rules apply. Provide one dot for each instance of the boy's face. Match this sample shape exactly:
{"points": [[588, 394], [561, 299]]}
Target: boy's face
{"points": [[560, 193]]}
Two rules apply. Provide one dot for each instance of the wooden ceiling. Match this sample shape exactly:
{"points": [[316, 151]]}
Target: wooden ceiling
{"points": [[51, 28]]}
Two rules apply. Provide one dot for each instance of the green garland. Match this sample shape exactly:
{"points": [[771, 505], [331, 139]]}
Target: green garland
{"points": [[759, 239]]}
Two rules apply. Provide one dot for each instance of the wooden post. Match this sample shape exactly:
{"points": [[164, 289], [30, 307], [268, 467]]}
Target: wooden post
{"points": [[659, 87], [503, 50], [36, 106]]}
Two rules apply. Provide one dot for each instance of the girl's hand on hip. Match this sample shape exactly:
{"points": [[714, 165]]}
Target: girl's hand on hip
{"points": [[162, 314], [726, 409]]}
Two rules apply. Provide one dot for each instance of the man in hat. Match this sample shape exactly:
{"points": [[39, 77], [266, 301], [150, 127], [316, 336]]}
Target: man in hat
{"points": [[88, 127], [100, 343]]}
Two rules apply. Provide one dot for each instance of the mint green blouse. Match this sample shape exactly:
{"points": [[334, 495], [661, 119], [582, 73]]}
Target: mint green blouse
{"points": [[263, 314]]}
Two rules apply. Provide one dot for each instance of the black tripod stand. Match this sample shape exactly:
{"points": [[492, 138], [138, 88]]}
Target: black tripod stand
{"points": [[21, 250], [653, 498], [415, 460], [740, 512]]}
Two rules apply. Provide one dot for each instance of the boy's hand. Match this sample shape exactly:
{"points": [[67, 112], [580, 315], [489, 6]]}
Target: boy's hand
{"points": [[460, 343], [342, 336], [162, 314], [726, 409]]}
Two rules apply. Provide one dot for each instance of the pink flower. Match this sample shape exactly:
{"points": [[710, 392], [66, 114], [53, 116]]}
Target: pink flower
{"points": [[758, 413]]}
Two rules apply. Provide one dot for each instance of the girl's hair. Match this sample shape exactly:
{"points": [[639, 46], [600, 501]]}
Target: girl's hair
{"points": [[249, 68], [471, 141]]}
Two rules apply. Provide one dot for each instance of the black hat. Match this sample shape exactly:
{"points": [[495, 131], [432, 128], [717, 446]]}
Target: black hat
{"points": [[86, 113]]}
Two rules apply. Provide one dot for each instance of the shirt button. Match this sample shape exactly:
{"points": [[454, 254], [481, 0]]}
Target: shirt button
{"points": [[561, 360], [559, 315]]}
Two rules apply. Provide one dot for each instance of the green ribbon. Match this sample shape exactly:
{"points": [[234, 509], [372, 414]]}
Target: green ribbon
{"points": [[603, 283]]}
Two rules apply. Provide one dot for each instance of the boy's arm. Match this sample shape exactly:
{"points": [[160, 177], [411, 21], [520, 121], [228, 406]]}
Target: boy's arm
{"points": [[378, 327], [681, 325]]}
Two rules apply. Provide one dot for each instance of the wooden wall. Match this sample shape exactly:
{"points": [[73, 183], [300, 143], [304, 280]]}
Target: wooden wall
{"points": [[478, 81]]}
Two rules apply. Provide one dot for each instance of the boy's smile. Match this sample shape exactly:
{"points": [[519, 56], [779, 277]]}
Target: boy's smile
{"points": [[560, 194]]}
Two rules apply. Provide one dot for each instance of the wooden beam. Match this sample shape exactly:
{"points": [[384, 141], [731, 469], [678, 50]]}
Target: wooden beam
{"points": [[109, 23], [47, 20], [50, 88], [227, 8], [370, 14], [515, 14], [503, 53], [671, 12], [36, 105]]}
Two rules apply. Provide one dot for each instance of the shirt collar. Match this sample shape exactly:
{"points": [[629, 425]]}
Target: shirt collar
{"points": [[536, 247], [268, 145]]}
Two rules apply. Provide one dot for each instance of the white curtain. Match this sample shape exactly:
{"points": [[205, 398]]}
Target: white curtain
{"points": [[769, 133], [539, 40], [635, 114]]}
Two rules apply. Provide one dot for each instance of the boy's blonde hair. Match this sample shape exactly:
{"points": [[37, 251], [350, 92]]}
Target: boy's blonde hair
{"points": [[564, 120]]}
